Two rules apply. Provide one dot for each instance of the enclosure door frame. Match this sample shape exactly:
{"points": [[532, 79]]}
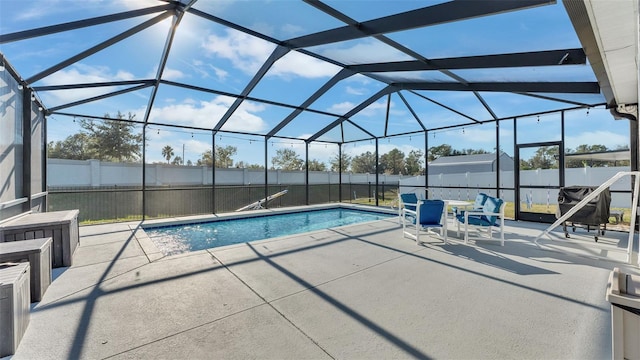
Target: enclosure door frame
{"points": [[552, 188]]}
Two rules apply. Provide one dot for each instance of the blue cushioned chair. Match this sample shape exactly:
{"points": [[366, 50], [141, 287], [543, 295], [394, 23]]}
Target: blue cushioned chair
{"points": [[491, 214], [409, 201], [428, 214]]}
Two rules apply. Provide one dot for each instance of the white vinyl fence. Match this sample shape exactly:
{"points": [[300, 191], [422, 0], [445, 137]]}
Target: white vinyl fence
{"points": [[94, 173], [63, 173]]}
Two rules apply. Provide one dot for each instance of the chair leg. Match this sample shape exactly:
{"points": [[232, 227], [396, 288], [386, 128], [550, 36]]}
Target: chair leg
{"points": [[404, 228], [443, 229]]}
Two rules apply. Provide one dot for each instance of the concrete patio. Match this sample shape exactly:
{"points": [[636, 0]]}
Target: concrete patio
{"points": [[355, 292]]}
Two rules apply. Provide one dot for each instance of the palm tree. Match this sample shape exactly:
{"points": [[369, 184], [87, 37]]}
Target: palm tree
{"points": [[167, 152]]}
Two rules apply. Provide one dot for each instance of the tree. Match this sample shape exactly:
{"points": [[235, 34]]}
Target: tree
{"points": [[73, 147], [287, 159], [335, 162], [364, 163], [544, 158], [439, 151], [167, 153], [189, 163], [112, 140], [177, 160], [393, 162], [107, 140], [315, 165], [206, 159], [413, 162], [585, 149], [243, 165], [223, 157], [469, 152]]}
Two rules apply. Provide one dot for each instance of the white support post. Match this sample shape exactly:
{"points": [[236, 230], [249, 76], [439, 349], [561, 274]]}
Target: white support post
{"points": [[634, 212]]}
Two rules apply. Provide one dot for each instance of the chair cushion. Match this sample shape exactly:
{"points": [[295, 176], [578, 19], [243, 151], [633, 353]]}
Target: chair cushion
{"points": [[409, 200], [478, 220], [492, 205], [481, 198], [431, 212]]}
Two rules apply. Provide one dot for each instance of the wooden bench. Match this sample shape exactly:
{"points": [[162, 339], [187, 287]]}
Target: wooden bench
{"points": [[38, 253], [61, 226]]}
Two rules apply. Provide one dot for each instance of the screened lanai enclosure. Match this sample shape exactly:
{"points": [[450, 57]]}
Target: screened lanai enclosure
{"points": [[144, 109]]}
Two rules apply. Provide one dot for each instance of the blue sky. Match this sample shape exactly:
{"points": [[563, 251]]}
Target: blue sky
{"points": [[209, 55]]}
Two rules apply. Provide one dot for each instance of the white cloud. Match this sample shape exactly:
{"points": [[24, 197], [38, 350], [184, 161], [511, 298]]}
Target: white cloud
{"points": [[291, 30], [356, 91], [245, 52], [167, 74], [365, 51], [35, 12], [383, 147], [198, 67], [379, 107], [31, 10], [323, 152], [172, 74], [221, 74], [81, 73], [243, 118], [202, 69], [341, 108], [375, 109], [361, 79], [248, 53], [206, 114], [295, 63]]}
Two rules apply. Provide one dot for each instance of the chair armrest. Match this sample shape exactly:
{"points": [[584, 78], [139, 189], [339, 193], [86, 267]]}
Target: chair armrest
{"points": [[476, 213], [483, 213], [410, 212]]}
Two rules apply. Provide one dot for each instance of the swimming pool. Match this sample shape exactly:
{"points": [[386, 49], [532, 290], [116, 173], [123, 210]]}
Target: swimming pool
{"points": [[177, 239]]}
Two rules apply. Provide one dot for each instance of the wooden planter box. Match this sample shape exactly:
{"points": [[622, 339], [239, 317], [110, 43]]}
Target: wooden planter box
{"points": [[61, 226], [14, 306]]}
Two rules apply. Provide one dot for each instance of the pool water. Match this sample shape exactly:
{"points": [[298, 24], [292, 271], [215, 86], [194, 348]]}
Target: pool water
{"points": [[178, 239]]}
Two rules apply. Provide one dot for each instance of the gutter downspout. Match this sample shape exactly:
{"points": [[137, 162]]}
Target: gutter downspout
{"points": [[630, 112]]}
